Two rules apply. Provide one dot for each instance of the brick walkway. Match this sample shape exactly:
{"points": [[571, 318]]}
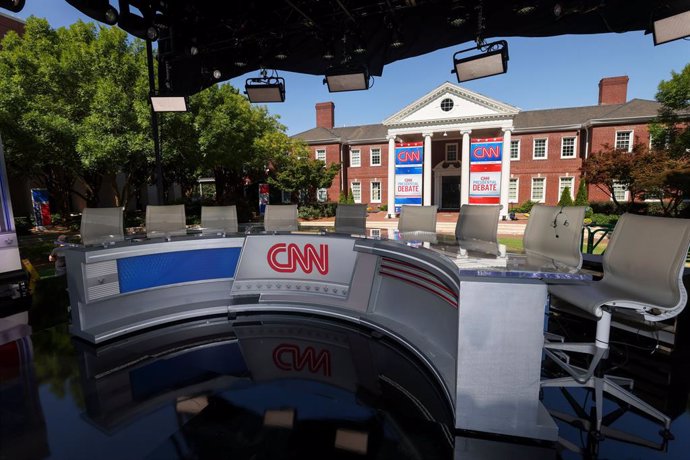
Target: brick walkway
{"points": [[445, 223]]}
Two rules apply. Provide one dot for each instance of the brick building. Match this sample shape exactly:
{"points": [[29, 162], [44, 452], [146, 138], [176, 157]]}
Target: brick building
{"points": [[543, 149]]}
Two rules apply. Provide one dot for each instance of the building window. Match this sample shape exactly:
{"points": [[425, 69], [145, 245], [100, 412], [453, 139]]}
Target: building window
{"points": [[376, 157], [538, 188], [286, 197], [355, 158], [515, 149], [375, 232], [620, 191], [447, 105], [321, 155], [568, 147], [451, 152], [376, 192], [513, 190], [624, 140], [322, 194], [539, 150], [564, 182], [356, 188]]}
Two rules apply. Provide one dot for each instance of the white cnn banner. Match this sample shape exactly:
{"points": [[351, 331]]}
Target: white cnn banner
{"points": [[485, 183], [408, 184]]}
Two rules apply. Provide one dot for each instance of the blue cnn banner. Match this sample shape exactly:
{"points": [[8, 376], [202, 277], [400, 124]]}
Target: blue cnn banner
{"points": [[485, 170], [486, 150], [409, 159]]}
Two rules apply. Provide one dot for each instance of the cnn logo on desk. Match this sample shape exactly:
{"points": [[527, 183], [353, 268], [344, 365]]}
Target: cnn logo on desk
{"points": [[289, 357], [286, 258]]}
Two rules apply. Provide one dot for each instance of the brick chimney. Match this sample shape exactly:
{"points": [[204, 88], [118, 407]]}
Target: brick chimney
{"points": [[325, 115], [613, 90]]}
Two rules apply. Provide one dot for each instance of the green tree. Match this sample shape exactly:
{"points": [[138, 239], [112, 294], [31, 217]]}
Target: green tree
{"points": [[303, 175], [566, 199], [581, 197], [72, 108], [670, 132], [610, 168]]}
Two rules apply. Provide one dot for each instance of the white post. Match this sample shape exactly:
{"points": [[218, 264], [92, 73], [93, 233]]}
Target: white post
{"points": [[505, 172], [391, 176], [426, 200], [465, 165]]}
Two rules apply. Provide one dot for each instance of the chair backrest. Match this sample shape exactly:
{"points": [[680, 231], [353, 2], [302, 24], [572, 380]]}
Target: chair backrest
{"points": [[166, 220], [281, 218], [478, 222], [417, 218], [101, 225], [645, 259], [555, 232], [219, 218], [351, 219]]}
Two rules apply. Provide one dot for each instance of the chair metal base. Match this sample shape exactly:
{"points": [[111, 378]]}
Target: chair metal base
{"points": [[611, 385]]}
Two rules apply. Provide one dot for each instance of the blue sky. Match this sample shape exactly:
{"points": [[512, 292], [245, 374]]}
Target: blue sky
{"points": [[543, 73]]}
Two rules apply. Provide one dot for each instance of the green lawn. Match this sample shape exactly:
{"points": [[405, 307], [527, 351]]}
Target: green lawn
{"points": [[514, 244]]}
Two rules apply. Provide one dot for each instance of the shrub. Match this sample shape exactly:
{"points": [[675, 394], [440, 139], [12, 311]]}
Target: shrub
{"points": [[383, 207], [566, 199], [317, 210], [604, 219], [524, 207], [603, 207], [23, 225], [581, 197]]}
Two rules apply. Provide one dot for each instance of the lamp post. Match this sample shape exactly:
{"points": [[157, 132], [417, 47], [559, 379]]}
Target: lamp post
{"points": [[154, 126]]}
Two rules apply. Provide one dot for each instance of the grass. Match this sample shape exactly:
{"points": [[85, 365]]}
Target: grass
{"points": [[514, 244]]}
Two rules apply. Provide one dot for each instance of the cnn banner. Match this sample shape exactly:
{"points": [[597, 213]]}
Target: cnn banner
{"points": [[485, 170], [409, 159]]}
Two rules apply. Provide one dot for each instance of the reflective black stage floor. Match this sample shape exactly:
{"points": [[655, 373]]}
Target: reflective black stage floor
{"points": [[281, 387]]}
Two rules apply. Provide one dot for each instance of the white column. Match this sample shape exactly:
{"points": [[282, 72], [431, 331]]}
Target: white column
{"points": [[505, 172], [465, 165], [391, 176], [426, 200]]}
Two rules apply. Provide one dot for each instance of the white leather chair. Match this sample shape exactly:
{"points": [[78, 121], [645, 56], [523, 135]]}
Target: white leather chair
{"points": [[643, 267], [281, 218], [101, 225], [555, 232], [165, 221], [478, 222], [417, 219], [351, 219], [219, 219]]}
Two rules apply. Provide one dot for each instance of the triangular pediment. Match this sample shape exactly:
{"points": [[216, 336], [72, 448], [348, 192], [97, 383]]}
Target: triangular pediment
{"points": [[464, 105]]}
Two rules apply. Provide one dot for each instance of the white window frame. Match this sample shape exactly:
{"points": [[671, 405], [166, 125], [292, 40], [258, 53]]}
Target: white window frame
{"points": [[543, 180], [517, 142], [371, 157], [631, 134], [318, 153], [561, 186], [546, 148], [457, 151], [626, 193], [574, 155], [517, 190], [375, 232], [371, 191], [318, 195], [352, 158], [352, 188]]}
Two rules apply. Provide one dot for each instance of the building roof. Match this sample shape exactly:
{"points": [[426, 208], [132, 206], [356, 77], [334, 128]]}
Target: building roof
{"points": [[524, 121]]}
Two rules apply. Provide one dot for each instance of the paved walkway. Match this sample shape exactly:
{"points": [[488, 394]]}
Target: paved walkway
{"points": [[445, 223]]}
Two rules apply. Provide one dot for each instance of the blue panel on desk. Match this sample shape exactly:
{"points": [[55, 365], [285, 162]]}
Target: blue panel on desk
{"points": [[155, 270]]}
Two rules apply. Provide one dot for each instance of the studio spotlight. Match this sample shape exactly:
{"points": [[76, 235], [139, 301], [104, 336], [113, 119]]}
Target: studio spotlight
{"points": [[265, 89], [672, 28], [346, 79], [100, 10], [169, 103], [492, 60]]}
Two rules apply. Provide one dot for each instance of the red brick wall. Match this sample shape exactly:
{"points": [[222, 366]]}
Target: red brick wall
{"points": [[366, 173], [332, 156], [552, 168], [7, 24]]}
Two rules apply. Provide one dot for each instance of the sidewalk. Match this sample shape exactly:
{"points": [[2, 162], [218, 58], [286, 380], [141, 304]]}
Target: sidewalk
{"points": [[445, 223]]}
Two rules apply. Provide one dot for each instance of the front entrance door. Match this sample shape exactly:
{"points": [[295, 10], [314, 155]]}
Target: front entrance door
{"points": [[450, 192]]}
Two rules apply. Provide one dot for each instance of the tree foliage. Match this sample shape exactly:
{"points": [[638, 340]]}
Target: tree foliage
{"points": [[581, 197], [301, 174], [671, 130], [566, 199]]}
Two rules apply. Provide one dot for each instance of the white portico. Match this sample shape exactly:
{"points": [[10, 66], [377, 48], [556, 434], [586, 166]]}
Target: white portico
{"points": [[445, 120]]}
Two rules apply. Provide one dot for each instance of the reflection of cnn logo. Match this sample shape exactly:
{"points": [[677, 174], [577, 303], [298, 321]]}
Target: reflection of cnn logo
{"points": [[290, 358], [284, 258]]}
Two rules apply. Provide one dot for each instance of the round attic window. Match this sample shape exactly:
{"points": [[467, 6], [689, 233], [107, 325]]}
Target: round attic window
{"points": [[447, 105]]}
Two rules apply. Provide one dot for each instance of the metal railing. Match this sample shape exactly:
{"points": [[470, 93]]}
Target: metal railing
{"points": [[593, 235]]}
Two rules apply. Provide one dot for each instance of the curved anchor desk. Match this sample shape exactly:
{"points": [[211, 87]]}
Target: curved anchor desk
{"points": [[479, 330]]}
